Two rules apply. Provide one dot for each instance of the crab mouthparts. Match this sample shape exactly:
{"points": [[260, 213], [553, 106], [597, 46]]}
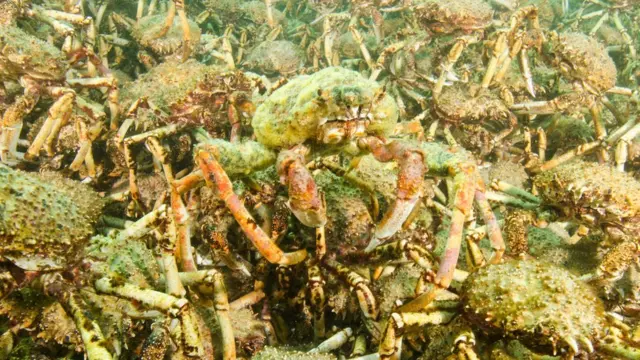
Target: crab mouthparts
{"points": [[352, 125]]}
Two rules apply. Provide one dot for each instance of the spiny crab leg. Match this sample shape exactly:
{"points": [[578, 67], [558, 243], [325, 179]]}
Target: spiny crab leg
{"points": [[465, 188], [214, 174], [410, 177]]}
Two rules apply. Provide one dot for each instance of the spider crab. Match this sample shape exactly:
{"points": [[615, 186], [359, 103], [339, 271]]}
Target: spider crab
{"points": [[545, 307], [337, 110], [41, 69], [46, 228], [585, 63]]}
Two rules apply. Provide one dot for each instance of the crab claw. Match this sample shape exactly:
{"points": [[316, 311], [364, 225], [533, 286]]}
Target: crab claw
{"points": [[214, 174], [410, 177], [305, 200]]}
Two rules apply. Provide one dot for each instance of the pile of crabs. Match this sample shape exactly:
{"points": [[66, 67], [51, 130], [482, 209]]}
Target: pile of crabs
{"points": [[319, 179]]}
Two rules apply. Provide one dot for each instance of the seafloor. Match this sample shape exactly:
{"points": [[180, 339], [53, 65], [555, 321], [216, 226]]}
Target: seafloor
{"points": [[319, 179]]}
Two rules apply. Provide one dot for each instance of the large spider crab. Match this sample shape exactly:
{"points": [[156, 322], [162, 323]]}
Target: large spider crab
{"points": [[41, 69], [330, 111]]}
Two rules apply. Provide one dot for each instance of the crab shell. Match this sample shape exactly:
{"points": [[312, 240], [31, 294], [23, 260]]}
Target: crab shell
{"points": [[582, 58], [456, 107], [294, 113], [278, 56], [596, 193], [544, 306], [45, 220], [449, 16], [146, 29], [189, 92], [23, 54]]}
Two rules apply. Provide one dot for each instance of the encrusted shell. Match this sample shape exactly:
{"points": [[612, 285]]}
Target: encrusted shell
{"points": [[585, 188], [292, 114], [45, 220], [542, 305], [584, 59]]}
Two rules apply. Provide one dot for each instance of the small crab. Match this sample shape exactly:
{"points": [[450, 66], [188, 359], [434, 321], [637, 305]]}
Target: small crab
{"points": [[276, 57], [466, 19], [42, 69], [543, 306], [463, 106], [619, 14], [584, 62], [175, 95], [46, 228], [598, 197], [178, 34]]}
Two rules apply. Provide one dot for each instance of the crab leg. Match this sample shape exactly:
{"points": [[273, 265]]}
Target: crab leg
{"points": [[493, 229], [317, 299], [90, 332], [363, 47], [215, 175], [499, 47], [305, 200], [366, 299], [410, 177], [58, 115], [333, 343], [186, 29], [625, 35], [12, 126], [211, 282], [453, 56], [391, 343]]}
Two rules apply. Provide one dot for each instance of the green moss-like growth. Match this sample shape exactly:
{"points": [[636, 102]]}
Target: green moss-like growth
{"points": [[293, 113], [542, 305], [568, 132], [278, 56], [28, 53], [45, 220], [240, 158], [131, 260], [400, 285]]}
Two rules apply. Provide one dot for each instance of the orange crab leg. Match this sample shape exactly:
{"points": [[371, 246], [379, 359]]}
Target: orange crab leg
{"points": [[215, 174], [465, 187], [305, 200], [410, 177]]}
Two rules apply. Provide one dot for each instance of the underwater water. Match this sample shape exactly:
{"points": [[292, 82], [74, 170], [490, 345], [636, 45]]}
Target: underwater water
{"points": [[319, 179]]}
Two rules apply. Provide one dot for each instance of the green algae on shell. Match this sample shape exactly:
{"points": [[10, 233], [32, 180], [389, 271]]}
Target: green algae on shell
{"points": [[294, 112], [542, 305]]}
